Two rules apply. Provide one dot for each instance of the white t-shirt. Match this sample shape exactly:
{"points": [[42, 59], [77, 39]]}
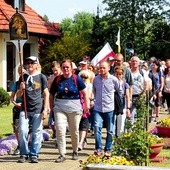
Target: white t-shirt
{"points": [[139, 82], [167, 82]]}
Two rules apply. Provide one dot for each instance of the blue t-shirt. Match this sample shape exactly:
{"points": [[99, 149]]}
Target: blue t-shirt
{"points": [[156, 80], [14, 89], [67, 88]]}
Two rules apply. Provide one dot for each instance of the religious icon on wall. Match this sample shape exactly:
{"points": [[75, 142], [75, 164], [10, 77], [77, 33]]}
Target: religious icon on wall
{"points": [[18, 27]]}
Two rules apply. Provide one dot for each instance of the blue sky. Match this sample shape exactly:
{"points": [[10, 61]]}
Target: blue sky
{"points": [[56, 10]]}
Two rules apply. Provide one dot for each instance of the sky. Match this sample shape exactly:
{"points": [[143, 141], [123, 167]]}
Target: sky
{"points": [[57, 10]]}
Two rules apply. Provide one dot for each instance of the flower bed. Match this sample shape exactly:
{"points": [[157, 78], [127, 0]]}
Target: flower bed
{"points": [[8, 144], [103, 160]]}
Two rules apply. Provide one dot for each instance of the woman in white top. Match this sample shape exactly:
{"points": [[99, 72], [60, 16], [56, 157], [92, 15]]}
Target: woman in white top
{"points": [[84, 123], [167, 88], [120, 119]]}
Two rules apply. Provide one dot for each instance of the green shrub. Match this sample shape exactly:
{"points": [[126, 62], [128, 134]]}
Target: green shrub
{"points": [[4, 97]]}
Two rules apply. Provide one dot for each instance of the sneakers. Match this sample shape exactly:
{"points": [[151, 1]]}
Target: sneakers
{"points": [[80, 147], [16, 151], [98, 152], [34, 159], [74, 156], [22, 159], [60, 159], [108, 153]]}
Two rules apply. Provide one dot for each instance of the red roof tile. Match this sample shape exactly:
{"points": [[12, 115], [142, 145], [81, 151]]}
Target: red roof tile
{"points": [[35, 23]]}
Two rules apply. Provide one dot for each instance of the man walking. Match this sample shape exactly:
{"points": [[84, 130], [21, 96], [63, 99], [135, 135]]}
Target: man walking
{"points": [[140, 79], [104, 86], [36, 92]]}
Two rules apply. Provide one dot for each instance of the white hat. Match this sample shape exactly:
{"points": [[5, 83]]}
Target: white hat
{"points": [[111, 58], [83, 62], [74, 65], [33, 58]]}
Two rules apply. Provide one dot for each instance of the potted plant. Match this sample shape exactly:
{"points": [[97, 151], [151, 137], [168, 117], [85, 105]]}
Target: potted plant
{"points": [[156, 145], [163, 127]]}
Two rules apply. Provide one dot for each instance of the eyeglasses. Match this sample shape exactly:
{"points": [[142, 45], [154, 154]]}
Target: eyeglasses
{"points": [[84, 77], [30, 62]]}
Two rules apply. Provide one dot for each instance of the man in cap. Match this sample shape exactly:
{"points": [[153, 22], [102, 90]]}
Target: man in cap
{"points": [[36, 92]]}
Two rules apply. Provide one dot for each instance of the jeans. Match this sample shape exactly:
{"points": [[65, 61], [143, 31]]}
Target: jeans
{"points": [[35, 120], [99, 118]]}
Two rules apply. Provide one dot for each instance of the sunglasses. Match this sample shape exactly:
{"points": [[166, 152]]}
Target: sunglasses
{"points": [[84, 77], [30, 62]]}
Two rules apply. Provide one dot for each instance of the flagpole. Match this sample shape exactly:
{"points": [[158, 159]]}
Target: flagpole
{"points": [[22, 77], [118, 41]]}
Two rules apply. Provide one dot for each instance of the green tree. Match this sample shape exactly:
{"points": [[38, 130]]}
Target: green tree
{"points": [[134, 17], [81, 24], [74, 43], [72, 47], [98, 38], [160, 40]]}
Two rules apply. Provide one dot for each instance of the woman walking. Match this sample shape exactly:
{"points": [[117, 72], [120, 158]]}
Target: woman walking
{"points": [[65, 102]]}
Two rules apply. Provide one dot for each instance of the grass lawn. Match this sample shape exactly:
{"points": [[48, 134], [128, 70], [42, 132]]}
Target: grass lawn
{"points": [[6, 121], [164, 153]]}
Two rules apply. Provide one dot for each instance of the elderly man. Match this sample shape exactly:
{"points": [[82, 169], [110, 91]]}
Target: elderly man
{"points": [[37, 101], [104, 86], [140, 79]]}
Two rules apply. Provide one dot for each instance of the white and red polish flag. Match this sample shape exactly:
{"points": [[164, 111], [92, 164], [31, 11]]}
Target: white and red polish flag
{"points": [[103, 54]]}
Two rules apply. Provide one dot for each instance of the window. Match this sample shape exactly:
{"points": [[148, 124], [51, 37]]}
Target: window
{"points": [[20, 4]]}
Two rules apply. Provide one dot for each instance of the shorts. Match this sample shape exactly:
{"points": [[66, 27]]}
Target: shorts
{"points": [[83, 124], [16, 112], [158, 100]]}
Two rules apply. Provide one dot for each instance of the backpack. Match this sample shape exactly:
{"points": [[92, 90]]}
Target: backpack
{"points": [[118, 104], [141, 72]]}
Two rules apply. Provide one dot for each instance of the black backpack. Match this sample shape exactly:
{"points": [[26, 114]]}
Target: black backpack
{"points": [[118, 104]]}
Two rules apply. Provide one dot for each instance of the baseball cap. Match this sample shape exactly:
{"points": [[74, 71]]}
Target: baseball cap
{"points": [[33, 58], [83, 62]]}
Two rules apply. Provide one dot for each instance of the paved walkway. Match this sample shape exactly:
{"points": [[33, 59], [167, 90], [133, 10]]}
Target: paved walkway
{"points": [[49, 153], [47, 157]]}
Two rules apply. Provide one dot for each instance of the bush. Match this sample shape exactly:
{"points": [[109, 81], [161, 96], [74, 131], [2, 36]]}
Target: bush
{"points": [[134, 146], [4, 97]]}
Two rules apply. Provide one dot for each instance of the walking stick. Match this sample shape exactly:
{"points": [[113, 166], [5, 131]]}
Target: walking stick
{"points": [[19, 35]]}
